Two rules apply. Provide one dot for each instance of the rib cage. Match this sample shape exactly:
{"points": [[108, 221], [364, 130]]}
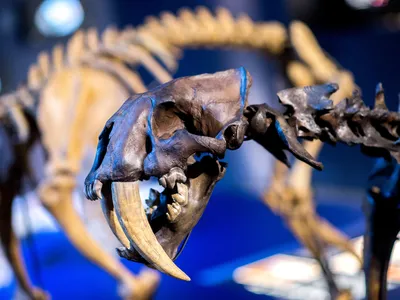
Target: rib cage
{"points": [[111, 52]]}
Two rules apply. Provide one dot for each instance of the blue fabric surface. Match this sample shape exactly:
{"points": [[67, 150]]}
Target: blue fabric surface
{"points": [[234, 230]]}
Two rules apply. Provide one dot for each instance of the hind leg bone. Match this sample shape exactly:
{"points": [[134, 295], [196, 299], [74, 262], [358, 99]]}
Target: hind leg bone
{"points": [[56, 196]]}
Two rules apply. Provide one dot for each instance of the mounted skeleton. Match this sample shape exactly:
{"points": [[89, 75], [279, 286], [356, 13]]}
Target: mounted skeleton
{"points": [[57, 98], [209, 114], [97, 68]]}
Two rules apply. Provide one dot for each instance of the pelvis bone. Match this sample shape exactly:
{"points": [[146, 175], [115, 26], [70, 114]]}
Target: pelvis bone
{"points": [[177, 133]]}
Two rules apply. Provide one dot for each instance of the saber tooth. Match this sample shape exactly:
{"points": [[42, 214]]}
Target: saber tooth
{"points": [[133, 220]]}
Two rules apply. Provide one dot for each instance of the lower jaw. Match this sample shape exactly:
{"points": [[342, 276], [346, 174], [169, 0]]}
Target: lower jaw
{"points": [[129, 223], [161, 227], [203, 174]]}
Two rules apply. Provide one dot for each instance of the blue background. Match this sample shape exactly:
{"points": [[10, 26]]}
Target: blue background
{"points": [[236, 227]]}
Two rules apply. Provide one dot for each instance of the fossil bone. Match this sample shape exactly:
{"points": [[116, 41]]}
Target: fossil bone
{"points": [[382, 220], [165, 39], [133, 220], [155, 134], [211, 106], [136, 130], [381, 209]]}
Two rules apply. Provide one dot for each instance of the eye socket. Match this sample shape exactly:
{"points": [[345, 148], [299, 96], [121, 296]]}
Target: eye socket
{"points": [[165, 120], [189, 123]]}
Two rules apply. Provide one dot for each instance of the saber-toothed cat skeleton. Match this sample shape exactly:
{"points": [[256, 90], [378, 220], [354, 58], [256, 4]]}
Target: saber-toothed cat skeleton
{"points": [[94, 70], [169, 131]]}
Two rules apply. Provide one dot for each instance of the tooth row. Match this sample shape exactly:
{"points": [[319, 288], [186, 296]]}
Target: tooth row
{"points": [[179, 199], [174, 211], [182, 196], [174, 176]]}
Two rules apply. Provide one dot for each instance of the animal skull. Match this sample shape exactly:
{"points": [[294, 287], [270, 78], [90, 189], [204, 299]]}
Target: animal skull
{"points": [[176, 132]]}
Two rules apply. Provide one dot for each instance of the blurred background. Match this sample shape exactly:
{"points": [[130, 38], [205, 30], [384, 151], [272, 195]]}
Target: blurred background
{"points": [[362, 35]]}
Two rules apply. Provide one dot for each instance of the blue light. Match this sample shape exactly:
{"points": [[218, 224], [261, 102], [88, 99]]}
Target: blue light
{"points": [[59, 17], [365, 4]]}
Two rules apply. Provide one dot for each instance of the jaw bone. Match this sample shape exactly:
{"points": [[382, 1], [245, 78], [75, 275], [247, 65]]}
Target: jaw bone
{"points": [[202, 174]]}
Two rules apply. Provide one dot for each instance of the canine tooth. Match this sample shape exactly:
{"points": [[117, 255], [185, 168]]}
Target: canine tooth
{"points": [[179, 199], [98, 194], [172, 209], [133, 220], [174, 176], [172, 213], [182, 189], [98, 185], [162, 182], [182, 196], [171, 182], [181, 177]]}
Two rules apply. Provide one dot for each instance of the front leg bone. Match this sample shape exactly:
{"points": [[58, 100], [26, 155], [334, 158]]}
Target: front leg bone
{"points": [[57, 198], [11, 245]]}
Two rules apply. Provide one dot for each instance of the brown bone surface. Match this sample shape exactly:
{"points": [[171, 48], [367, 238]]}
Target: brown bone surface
{"points": [[13, 169], [159, 130], [381, 208], [163, 37], [157, 133], [109, 53], [311, 115], [202, 174], [137, 143]]}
